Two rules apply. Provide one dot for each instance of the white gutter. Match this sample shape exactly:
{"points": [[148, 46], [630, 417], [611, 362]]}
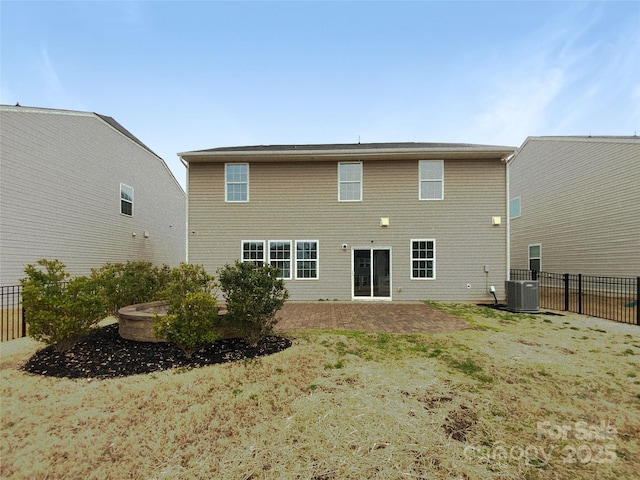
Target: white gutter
{"points": [[365, 154], [508, 161], [186, 216]]}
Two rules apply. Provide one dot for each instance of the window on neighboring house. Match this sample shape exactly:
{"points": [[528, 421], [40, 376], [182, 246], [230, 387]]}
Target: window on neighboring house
{"points": [[514, 207], [423, 259], [306, 259], [535, 257], [350, 182], [236, 182], [126, 200], [253, 251], [431, 179], [280, 257]]}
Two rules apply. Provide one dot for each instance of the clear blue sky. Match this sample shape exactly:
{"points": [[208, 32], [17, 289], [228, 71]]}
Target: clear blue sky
{"points": [[193, 75]]}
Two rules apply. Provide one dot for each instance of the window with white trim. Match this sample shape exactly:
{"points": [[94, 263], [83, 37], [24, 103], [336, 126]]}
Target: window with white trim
{"points": [[280, 257], [350, 182], [423, 259], [514, 207], [253, 251], [535, 257], [431, 179], [126, 200], [306, 259], [236, 182]]}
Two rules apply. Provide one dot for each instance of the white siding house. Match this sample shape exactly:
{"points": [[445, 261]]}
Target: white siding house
{"points": [[575, 205], [78, 187]]}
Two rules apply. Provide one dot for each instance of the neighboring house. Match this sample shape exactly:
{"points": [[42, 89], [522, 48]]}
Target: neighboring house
{"points": [[78, 187], [396, 221], [575, 205]]}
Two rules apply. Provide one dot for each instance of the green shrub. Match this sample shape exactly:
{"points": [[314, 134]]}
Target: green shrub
{"points": [[192, 314], [123, 284], [189, 323], [59, 314], [253, 295], [186, 278]]}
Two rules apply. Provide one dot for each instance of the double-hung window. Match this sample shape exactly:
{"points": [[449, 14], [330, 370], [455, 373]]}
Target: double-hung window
{"points": [[236, 182], [280, 257], [535, 257], [253, 251], [126, 200], [307, 259], [423, 259], [431, 179], [350, 182]]}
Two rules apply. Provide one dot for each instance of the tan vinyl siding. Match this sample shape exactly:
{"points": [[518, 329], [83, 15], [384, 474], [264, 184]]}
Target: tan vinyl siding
{"points": [[299, 201], [580, 200], [60, 184]]}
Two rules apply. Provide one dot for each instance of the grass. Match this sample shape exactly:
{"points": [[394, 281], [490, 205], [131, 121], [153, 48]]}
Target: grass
{"points": [[515, 397]]}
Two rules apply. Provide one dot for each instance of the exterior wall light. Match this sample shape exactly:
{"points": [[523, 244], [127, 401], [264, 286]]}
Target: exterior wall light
{"points": [[384, 221], [496, 220]]}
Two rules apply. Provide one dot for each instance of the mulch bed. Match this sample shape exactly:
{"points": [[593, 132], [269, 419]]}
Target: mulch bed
{"points": [[104, 354]]}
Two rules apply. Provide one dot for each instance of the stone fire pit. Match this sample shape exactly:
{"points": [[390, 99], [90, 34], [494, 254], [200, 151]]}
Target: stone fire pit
{"points": [[135, 322]]}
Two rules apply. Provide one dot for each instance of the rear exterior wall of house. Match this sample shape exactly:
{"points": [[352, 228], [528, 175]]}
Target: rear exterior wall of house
{"points": [[295, 201]]}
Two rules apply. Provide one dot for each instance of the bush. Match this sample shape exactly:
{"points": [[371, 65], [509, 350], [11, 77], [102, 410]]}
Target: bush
{"points": [[189, 323], [59, 314], [186, 278], [253, 295], [192, 314], [123, 284]]}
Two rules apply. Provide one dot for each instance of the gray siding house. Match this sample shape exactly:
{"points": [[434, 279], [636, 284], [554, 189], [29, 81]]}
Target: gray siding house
{"points": [[78, 187], [394, 221], [575, 205]]}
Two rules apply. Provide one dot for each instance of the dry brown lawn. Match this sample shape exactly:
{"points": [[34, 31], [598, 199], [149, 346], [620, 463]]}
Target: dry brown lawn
{"points": [[516, 397]]}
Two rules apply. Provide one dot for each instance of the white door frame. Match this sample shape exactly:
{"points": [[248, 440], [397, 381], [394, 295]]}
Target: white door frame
{"points": [[371, 296]]}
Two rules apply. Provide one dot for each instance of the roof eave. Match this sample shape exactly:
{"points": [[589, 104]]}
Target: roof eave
{"points": [[204, 156]]}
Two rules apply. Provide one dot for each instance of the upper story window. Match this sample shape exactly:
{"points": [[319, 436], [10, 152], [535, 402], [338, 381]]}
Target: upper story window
{"points": [[236, 182], [350, 182], [126, 200], [253, 251], [431, 179], [514, 207]]}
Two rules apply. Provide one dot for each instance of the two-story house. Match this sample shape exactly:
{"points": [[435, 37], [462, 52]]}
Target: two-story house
{"points": [[79, 187], [392, 221], [575, 205]]}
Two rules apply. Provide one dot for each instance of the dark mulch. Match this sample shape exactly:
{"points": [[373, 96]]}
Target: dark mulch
{"points": [[104, 354]]}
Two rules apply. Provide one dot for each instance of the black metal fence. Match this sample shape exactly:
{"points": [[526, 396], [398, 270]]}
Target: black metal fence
{"points": [[613, 298], [12, 320]]}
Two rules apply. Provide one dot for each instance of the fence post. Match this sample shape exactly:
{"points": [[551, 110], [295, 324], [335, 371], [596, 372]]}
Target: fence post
{"points": [[565, 277], [638, 301], [580, 293]]}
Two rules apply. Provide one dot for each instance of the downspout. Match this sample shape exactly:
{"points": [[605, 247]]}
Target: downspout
{"points": [[508, 161], [186, 240]]}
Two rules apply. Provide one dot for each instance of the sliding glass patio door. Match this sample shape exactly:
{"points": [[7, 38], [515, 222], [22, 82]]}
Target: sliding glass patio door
{"points": [[371, 273]]}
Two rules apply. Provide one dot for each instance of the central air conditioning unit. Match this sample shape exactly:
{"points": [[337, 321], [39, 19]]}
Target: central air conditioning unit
{"points": [[522, 295]]}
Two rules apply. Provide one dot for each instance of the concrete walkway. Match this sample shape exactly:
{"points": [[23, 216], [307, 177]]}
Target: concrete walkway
{"points": [[378, 317]]}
